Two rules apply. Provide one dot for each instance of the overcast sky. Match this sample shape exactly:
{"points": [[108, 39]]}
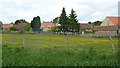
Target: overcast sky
{"points": [[87, 10]]}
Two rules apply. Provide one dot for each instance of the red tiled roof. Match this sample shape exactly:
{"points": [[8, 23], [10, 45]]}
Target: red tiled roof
{"points": [[20, 26], [86, 26], [114, 20], [105, 28], [48, 24], [6, 26]]}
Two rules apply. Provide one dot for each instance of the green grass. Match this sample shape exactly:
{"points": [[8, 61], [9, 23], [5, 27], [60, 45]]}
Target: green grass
{"points": [[50, 50]]}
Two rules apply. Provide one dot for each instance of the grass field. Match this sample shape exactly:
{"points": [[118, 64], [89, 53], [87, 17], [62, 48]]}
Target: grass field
{"points": [[50, 50]]}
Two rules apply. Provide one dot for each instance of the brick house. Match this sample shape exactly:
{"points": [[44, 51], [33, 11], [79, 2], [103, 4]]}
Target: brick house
{"points": [[109, 27]]}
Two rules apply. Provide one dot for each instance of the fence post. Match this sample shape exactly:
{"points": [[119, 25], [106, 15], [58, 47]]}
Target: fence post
{"points": [[23, 35], [66, 40], [112, 44]]}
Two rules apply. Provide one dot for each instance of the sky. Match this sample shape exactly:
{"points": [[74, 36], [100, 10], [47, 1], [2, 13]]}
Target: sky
{"points": [[86, 10]]}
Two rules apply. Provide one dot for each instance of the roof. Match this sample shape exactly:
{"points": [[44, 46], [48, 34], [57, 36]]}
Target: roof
{"points": [[20, 26], [85, 26], [105, 28], [47, 24], [114, 20], [7, 26]]}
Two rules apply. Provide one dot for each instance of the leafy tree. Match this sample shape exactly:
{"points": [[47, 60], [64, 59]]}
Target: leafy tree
{"points": [[1, 24], [11, 23], [56, 20], [36, 23], [13, 28], [63, 21], [17, 22], [89, 22], [96, 23], [73, 22], [27, 28], [20, 21]]}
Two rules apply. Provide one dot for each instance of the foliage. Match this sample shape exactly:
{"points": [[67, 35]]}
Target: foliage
{"points": [[20, 21], [69, 23], [1, 25], [89, 22], [36, 23], [54, 29], [90, 31], [13, 28], [11, 23], [56, 20], [73, 22], [64, 21], [27, 28], [96, 23]]}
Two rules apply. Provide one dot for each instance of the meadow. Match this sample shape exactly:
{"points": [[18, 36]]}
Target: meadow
{"points": [[50, 50]]}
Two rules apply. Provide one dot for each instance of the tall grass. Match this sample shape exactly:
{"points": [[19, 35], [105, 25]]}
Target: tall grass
{"points": [[51, 51], [57, 57]]}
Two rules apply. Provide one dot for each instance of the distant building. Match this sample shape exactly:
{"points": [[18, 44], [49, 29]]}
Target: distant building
{"points": [[110, 21], [47, 26], [85, 27], [109, 27], [6, 26], [20, 26]]}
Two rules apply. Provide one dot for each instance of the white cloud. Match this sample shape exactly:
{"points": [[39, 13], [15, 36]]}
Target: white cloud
{"points": [[87, 10]]}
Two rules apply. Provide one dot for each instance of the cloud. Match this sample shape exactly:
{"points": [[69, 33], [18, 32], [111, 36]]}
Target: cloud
{"points": [[86, 10]]}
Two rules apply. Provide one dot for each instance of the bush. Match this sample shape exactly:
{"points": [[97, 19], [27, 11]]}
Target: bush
{"points": [[13, 29], [53, 29], [90, 31]]}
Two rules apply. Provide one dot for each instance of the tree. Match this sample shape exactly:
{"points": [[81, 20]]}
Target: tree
{"points": [[11, 23], [96, 23], [63, 21], [1, 25], [36, 23], [89, 22], [20, 21], [56, 20], [27, 28], [74, 26], [17, 22], [13, 28]]}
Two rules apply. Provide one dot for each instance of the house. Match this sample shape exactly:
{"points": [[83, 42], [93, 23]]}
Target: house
{"points": [[6, 26], [109, 27], [20, 26], [85, 27], [47, 26], [110, 21]]}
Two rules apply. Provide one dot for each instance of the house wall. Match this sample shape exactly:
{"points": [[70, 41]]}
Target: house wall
{"points": [[46, 28], [105, 33], [106, 22]]}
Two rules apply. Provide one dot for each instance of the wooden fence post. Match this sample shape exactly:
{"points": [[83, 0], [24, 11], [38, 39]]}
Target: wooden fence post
{"points": [[112, 44], [66, 40]]}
